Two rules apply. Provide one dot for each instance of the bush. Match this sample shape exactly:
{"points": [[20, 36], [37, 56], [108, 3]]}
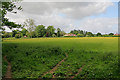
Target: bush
{"points": [[99, 34], [53, 35], [89, 35], [69, 36], [80, 35], [33, 34], [17, 36], [6, 35], [28, 34]]}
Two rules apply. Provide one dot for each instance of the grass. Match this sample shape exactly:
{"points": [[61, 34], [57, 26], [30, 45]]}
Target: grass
{"points": [[31, 58]]}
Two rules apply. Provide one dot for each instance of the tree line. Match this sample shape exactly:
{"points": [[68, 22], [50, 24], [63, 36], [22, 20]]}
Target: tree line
{"points": [[34, 31], [41, 31], [81, 33]]}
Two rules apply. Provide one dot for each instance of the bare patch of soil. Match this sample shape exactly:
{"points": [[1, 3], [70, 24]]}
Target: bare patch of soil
{"points": [[54, 68], [79, 70], [8, 73]]}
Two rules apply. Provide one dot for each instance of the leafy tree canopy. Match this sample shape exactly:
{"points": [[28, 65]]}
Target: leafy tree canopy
{"points": [[8, 7], [111, 33], [40, 31], [50, 31], [58, 32], [98, 34]]}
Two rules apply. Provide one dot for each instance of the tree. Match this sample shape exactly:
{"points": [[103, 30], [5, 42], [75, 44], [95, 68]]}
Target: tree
{"points": [[85, 33], [58, 32], [80, 35], [8, 7], [17, 36], [53, 35], [28, 34], [40, 31], [3, 32], [33, 34], [111, 33], [98, 34], [62, 33], [50, 31], [14, 32], [75, 32], [80, 31], [24, 31], [71, 31], [89, 34], [29, 23], [6, 35]]}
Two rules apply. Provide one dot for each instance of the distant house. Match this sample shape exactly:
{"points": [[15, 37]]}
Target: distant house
{"points": [[25, 36], [70, 35], [116, 34]]}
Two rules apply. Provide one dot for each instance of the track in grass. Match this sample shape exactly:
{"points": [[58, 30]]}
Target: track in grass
{"points": [[33, 57], [79, 70], [8, 73], [54, 68]]}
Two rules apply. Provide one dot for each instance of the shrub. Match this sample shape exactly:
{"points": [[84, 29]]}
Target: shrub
{"points": [[6, 35], [17, 36], [53, 35], [33, 34], [80, 35], [99, 34], [69, 36]]}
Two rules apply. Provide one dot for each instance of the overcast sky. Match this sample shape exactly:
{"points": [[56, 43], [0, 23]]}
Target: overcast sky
{"points": [[89, 16]]}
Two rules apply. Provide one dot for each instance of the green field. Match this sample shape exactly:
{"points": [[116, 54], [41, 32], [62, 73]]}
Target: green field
{"points": [[97, 57]]}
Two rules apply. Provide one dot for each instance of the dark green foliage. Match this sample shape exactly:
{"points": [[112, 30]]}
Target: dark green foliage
{"points": [[106, 35], [40, 31], [55, 51], [33, 35], [31, 60], [89, 34], [58, 32], [74, 32], [111, 34], [24, 32], [98, 34], [80, 35], [69, 36], [50, 31], [53, 35], [49, 75], [97, 57], [14, 32], [17, 36], [4, 67], [78, 32], [6, 35], [8, 7]]}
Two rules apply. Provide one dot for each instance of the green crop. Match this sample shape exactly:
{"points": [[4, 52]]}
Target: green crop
{"points": [[97, 57]]}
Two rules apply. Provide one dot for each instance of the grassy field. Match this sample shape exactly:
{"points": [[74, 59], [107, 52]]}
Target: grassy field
{"points": [[87, 57]]}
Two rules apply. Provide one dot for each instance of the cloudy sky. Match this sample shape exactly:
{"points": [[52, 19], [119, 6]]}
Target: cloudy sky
{"points": [[88, 16]]}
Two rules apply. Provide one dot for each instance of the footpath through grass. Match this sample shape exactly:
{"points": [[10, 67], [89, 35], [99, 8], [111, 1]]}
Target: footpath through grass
{"points": [[31, 58]]}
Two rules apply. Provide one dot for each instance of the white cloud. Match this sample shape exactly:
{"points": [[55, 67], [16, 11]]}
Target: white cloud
{"points": [[65, 14], [103, 25], [82, 9], [76, 10]]}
